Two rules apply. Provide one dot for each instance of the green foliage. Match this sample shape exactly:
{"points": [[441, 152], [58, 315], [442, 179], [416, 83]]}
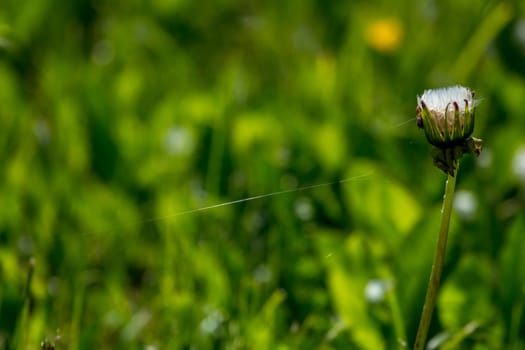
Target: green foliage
{"points": [[116, 117]]}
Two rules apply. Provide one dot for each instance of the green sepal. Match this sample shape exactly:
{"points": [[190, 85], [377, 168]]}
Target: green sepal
{"points": [[461, 129]]}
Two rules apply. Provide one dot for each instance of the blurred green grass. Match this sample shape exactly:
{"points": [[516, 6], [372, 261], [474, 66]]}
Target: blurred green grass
{"points": [[115, 117]]}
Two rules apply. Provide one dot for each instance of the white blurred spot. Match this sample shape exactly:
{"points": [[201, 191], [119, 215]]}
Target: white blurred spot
{"points": [[338, 326], [518, 164], [179, 141], [295, 327], [41, 131], [438, 340], [376, 289], [465, 204], [470, 327], [136, 325], [262, 274], [102, 52], [211, 323], [304, 209], [519, 32]]}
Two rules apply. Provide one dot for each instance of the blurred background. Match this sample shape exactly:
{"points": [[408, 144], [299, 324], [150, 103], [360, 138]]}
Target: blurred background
{"points": [[115, 117]]}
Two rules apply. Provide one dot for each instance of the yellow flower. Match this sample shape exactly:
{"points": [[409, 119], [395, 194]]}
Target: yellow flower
{"points": [[385, 34]]}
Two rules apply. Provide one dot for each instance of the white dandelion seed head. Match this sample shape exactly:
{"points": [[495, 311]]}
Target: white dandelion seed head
{"points": [[440, 100]]}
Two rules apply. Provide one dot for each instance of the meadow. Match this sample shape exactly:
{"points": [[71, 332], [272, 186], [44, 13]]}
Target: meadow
{"points": [[245, 175]]}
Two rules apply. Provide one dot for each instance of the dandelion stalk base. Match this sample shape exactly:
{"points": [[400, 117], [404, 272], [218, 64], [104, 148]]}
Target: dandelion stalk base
{"points": [[437, 266]]}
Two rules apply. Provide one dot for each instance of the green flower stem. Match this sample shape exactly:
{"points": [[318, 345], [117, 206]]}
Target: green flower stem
{"points": [[437, 266]]}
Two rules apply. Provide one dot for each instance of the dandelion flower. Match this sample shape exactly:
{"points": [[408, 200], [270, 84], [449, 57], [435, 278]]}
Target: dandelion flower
{"points": [[447, 117], [447, 114]]}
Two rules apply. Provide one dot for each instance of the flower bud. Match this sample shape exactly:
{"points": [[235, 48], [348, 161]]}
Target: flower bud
{"points": [[446, 115]]}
